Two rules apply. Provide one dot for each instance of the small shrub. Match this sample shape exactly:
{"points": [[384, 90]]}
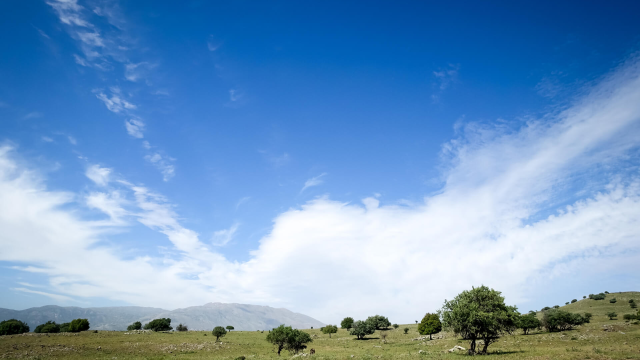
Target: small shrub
{"points": [[584, 297], [612, 315], [633, 305], [556, 306], [600, 296], [240, 358], [406, 330], [567, 303], [629, 317], [395, 326], [574, 300], [613, 301], [218, 332], [13, 327], [135, 326], [546, 308], [181, 327], [631, 301], [560, 320]]}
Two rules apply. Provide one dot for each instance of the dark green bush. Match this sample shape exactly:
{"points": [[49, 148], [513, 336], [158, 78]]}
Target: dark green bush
{"points": [[574, 300], [546, 308], [347, 323], [600, 296], [48, 327], [613, 301], [181, 327], [556, 306], [606, 292], [633, 305], [567, 303], [378, 322], [218, 332], [163, 324], [560, 320], [406, 330], [135, 326], [13, 327], [64, 327], [528, 322], [395, 326], [361, 329], [631, 301], [612, 315], [78, 325], [629, 317]]}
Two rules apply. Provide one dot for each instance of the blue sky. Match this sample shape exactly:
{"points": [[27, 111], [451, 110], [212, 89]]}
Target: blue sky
{"points": [[312, 155]]}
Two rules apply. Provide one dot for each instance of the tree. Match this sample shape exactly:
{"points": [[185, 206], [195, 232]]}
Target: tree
{"points": [[584, 297], [181, 327], [284, 337], [13, 327], [135, 326], [613, 301], [218, 332], [78, 325], [347, 323], [633, 305], [612, 315], [378, 322], [528, 322], [163, 324], [64, 327], [406, 330], [587, 317], [560, 320], [48, 327], [362, 328], [395, 326], [230, 328], [479, 314], [567, 303], [430, 325], [574, 300], [330, 329]]}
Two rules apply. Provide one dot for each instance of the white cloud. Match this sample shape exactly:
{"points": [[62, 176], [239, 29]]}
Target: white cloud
{"points": [[33, 115], [98, 174], [115, 103], [135, 128], [46, 139], [314, 181], [72, 140], [223, 237], [56, 297], [134, 72], [164, 164], [242, 201], [69, 12], [496, 221], [80, 61]]}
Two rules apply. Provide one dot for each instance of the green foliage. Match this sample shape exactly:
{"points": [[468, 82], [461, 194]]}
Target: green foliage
{"points": [[430, 325], [284, 337], [219, 332], [612, 314], [631, 301], [600, 296], [479, 313], [78, 325], [574, 300], [613, 301], [528, 322], [567, 303], [64, 327], [181, 327], [362, 328], [330, 329], [135, 326], [163, 324], [546, 308], [584, 297], [395, 326], [629, 317], [560, 320], [633, 305], [240, 358], [587, 317], [48, 327], [231, 328], [347, 323], [406, 330], [556, 306], [606, 292], [13, 327], [378, 322]]}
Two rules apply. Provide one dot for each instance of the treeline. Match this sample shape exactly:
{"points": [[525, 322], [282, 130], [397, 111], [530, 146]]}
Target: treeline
{"points": [[14, 327]]}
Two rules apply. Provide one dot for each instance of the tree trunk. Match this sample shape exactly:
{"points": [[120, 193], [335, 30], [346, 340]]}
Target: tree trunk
{"points": [[472, 347], [486, 346], [430, 337]]}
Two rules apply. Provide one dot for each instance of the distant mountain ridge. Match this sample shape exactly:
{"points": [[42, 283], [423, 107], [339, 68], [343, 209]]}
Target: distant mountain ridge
{"points": [[241, 316]]}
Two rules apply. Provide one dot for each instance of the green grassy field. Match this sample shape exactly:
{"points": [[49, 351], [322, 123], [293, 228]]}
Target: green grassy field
{"points": [[601, 339]]}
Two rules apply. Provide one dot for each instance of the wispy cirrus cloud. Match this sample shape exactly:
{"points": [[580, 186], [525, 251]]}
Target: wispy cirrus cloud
{"points": [[314, 181]]}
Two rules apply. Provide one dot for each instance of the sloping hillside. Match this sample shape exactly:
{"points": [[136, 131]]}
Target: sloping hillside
{"points": [[600, 308]]}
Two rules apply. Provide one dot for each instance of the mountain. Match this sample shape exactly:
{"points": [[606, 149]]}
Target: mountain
{"points": [[205, 317]]}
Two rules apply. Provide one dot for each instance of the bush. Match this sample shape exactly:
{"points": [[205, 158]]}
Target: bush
{"points": [[546, 308], [430, 325], [13, 327], [574, 300], [560, 320], [584, 297], [181, 327], [395, 326], [64, 327], [378, 322], [612, 315], [78, 325], [284, 337], [633, 305], [163, 324], [135, 326], [330, 329], [567, 303], [606, 292], [48, 327], [218, 332], [347, 323], [479, 313], [631, 301], [613, 301], [587, 317], [556, 306], [528, 322], [629, 317], [406, 330], [361, 329]]}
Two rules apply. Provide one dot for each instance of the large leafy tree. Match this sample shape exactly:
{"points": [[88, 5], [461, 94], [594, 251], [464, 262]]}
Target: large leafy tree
{"points": [[430, 325], [13, 327], [284, 337], [330, 329], [163, 324], [379, 322], [347, 323], [78, 325], [479, 314], [560, 320], [362, 328], [218, 332], [527, 322]]}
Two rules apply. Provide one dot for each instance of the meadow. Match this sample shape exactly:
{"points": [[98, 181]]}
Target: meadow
{"points": [[602, 338]]}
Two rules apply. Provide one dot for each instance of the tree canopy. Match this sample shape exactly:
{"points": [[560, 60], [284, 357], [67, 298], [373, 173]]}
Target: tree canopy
{"points": [[163, 324], [229, 327], [218, 332], [379, 322], [78, 325], [330, 329], [284, 337], [347, 323], [48, 327], [135, 326], [430, 325], [362, 328], [527, 322], [13, 327], [479, 314], [560, 320]]}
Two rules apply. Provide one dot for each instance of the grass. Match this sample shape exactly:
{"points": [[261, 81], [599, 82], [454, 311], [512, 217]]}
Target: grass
{"points": [[620, 341]]}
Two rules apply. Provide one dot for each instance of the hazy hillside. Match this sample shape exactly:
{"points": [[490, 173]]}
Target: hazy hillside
{"points": [[205, 317]]}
